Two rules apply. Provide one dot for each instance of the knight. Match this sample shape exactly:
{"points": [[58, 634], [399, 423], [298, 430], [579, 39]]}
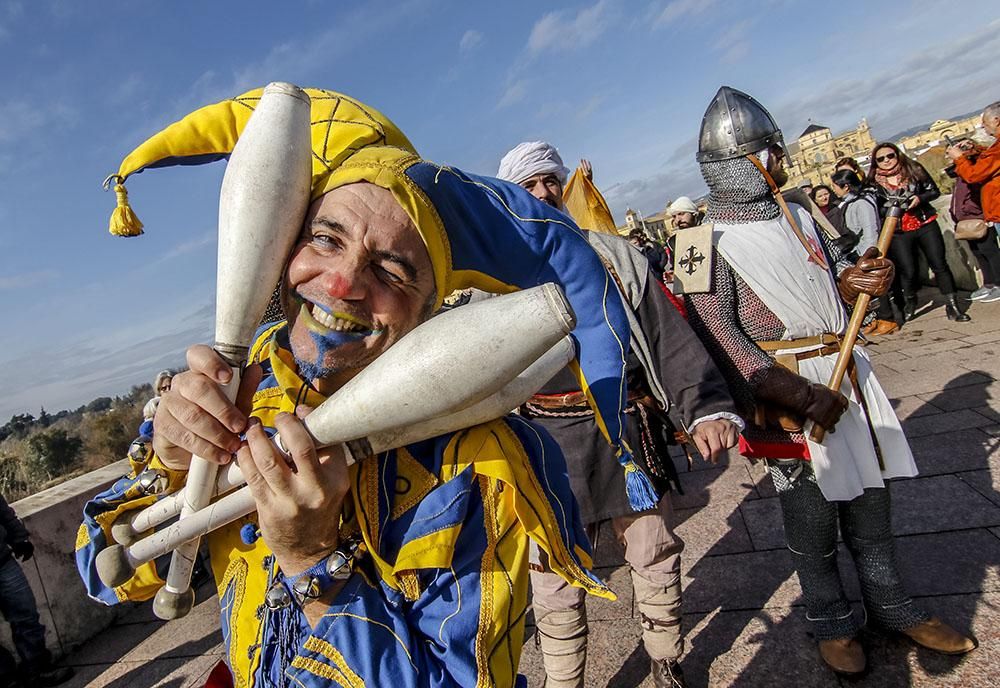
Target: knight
{"points": [[770, 300]]}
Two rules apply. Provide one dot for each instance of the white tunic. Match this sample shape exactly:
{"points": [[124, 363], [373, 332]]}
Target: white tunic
{"points": [[769, 257]]}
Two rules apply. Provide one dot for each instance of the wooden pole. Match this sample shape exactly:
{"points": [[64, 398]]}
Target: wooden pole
{"points": [[860, 310]]}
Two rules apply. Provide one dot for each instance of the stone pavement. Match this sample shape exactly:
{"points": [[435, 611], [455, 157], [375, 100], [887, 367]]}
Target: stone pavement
{"points": [[744, 621]]}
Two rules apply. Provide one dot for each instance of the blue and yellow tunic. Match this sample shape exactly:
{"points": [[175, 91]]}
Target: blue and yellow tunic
{"points": [[441, 595]]}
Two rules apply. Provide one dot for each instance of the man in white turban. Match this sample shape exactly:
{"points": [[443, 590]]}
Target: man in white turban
{"points": [[538, 167], [684, 213], [667, 368]]}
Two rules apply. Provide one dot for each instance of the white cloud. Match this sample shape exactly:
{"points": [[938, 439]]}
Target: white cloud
{"points": [[650, 194], [679, 9], [734, 42], [565, 30], [471, 40], [209, 238], [20, 119], [104, 365], [952, 77], [513, 94], [590, 107], [27, 279]]}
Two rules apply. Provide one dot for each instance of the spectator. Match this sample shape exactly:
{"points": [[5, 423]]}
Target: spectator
{"points": [[966, 206], [684, 213], [849, 163], [655, 254], [823, 198], [859, 208], [860, 216], [984, 168], [161, 384], [806, 188], [894, 174], [17, 603]]}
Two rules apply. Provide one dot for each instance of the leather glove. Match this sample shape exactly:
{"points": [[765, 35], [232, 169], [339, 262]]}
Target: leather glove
{"points": [[819, 403], [871, 275], [22, 550]]}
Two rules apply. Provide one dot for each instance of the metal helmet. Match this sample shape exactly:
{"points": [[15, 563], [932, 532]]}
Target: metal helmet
{"points": [[735, 125]]}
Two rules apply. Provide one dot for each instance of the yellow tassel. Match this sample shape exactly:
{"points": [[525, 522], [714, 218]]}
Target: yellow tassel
{"points": [[123, 220]]}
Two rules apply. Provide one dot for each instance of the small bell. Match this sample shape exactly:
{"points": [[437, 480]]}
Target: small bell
{"points": [[277, 596], [152, 482], [307, 588]]}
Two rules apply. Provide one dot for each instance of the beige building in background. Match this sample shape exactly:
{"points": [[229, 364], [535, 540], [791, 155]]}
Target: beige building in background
{"points": [[814, 153], [656, 227], [970, 127]]}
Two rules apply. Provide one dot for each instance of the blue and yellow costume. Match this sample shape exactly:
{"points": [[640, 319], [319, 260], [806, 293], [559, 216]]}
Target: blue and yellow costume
{"points": [[439, 597]]}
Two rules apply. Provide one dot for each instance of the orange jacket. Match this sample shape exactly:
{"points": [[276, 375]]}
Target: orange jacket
{"points": [[985, 171]]}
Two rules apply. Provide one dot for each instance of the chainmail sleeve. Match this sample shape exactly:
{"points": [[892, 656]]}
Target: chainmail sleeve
{"points": [[714, 316]]}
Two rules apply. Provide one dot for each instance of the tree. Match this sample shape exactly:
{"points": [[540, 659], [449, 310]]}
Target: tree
{"points": [[109, 435], [44, 419], [50, 453], [98, 404], [19, 424]]}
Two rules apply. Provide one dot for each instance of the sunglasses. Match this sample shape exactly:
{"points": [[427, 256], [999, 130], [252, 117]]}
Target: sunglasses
{"points": [[883, 158]]}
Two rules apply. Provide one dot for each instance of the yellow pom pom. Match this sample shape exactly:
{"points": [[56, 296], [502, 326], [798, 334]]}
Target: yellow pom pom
{"points": [[123, 220]]}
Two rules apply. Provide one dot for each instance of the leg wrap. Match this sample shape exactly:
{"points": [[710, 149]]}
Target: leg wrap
{"points": [[811, 535], [660, 614], [866, 527], [562, 636], [653, 550]]}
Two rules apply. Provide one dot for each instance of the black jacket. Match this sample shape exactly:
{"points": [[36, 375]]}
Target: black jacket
{"points": [[923, 187], [11, 530]]}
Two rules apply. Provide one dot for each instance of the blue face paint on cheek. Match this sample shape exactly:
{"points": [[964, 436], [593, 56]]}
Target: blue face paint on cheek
{"points": [[324, 343]]}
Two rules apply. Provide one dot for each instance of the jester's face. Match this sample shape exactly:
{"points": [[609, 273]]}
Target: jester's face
{"points": [[359, 279]]}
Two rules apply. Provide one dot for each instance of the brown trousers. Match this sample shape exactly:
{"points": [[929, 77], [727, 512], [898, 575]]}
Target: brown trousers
{"points": [[653, 550]]}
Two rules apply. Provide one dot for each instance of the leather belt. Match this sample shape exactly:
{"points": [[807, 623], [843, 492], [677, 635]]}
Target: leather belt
{"points": [[782, 344], [556, 401], [569, 399]]}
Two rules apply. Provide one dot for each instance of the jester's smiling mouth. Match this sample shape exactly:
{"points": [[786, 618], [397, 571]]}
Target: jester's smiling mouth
{"points": [[339, 322], [336, 321]]}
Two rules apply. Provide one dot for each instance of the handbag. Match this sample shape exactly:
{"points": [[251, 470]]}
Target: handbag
{"points": [[970, 229]]}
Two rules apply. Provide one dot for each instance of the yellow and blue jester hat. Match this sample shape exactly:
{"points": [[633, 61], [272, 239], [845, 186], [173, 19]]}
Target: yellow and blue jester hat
{"points": [[479, 232]]}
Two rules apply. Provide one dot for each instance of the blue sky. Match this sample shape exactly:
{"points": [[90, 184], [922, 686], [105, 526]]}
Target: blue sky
{"points": [[622, 82]]}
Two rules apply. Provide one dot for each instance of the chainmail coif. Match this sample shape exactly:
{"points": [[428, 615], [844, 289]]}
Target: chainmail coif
{"points": [[738, 192]]}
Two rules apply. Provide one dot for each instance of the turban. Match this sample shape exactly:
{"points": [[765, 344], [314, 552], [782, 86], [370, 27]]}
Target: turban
{"points": [[531, 158], [683, 204], [479, 232]]}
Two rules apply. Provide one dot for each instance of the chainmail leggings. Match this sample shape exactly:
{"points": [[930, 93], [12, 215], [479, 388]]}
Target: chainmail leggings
{"points": [[811, 533]]}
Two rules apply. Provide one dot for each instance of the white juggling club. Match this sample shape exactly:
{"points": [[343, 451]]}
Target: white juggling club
{"points": [[438, 385], [264, 197]]}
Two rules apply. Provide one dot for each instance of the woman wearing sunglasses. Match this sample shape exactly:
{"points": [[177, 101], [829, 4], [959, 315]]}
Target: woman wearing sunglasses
{"points": [[894, 174]]}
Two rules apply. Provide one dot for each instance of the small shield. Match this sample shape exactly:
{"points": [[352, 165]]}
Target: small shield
{"points": [[693, 260]]}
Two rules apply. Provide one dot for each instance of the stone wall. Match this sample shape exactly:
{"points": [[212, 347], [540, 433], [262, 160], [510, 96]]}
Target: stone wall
{"points": [[53, 517]]}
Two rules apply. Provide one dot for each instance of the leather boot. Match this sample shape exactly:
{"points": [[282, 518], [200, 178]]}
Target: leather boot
{"points": [[880, 327], [938, 636], [667, 674], [887, 327], [952, 310], [844, 655], [909, 308]]}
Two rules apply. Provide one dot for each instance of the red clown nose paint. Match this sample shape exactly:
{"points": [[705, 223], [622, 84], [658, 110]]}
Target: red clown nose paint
{"points": [[337, 286]]}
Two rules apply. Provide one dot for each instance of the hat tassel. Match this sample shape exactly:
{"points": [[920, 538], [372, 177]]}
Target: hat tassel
{"points": [[123, 220], [641, 494]]}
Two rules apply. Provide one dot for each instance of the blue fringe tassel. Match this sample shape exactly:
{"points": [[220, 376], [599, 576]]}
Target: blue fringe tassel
{"points": [[641, 494]]}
